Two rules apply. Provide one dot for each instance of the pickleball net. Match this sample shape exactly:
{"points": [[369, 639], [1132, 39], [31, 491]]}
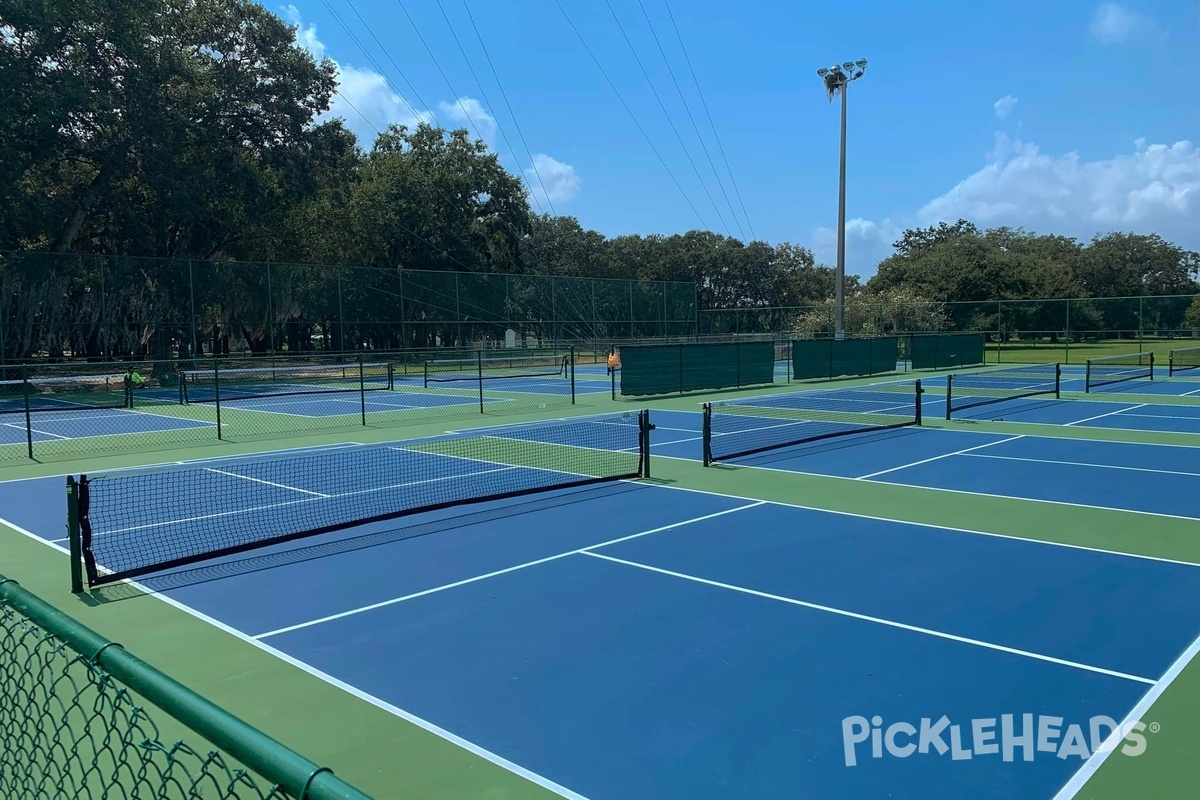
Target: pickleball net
{"points": [[507, 367], [1110, 370], [219, 385], [127, 524], [1183, 360], [971, 390], [64, 393], [758, 424]]}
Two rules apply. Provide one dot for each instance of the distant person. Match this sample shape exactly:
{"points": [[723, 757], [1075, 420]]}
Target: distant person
{"points": [[134, 380], [614, 362]]}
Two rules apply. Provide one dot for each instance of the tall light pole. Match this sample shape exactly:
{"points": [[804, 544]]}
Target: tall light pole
{"points": [[837, 79]]}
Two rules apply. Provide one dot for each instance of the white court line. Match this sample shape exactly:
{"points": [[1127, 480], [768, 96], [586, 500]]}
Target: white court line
{"points": [[350, 689], [1024, 499], [1135, 714], [1165, 416], [35, 430], [877, 620], [1086, 464], [1188, 394], [265, 483], [932, 526], [938, 458], [505, 571], [1109, 414]]}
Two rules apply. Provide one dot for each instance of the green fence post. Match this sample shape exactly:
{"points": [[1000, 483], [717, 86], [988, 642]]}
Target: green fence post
{"points": [[270, 315], [999, 332], [362, 390], [217, 396], [572, 366], [1067, 336], [479, 370], [28, 417], [1142, 327], [73, 535]]}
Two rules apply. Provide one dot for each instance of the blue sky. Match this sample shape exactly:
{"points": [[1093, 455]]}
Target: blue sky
{"points": [[1070, 117]]}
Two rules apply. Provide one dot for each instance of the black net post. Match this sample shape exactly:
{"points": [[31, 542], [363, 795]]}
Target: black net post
{"points": [[949, 394], [920, 392], [644, 427], [73, 535], [707, 434], [1151, 355], [612, 378], [1058, 381], [362, 390], [479, 371], [28, 417], [571, 366], [1087, 377]]}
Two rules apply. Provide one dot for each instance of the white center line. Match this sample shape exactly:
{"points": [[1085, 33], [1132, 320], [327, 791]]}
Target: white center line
{"points": [[495, 573], [1109, 414], [266, 482], [938, 458], [878, 620]]}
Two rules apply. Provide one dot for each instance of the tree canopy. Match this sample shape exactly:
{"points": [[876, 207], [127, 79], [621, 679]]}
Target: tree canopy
{"points": [[193, 129]]}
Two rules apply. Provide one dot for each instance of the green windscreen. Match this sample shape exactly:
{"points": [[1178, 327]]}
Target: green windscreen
{"points": [[831, 358], [671, 368], [943, 350]]}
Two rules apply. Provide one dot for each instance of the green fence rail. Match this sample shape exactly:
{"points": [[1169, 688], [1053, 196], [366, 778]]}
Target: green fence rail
{"points": [[73, 724], [1031, 331], [679, 368], [109, 308]]}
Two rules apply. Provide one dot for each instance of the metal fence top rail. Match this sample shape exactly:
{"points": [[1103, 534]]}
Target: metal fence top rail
{"points": [[264, 756]]}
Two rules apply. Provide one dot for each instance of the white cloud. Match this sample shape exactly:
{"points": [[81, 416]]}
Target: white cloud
{"points": [[867, 243], [1005, 105], [368, 104], [552, 180], [1113, 24], [466, 112], [1154, 188]]}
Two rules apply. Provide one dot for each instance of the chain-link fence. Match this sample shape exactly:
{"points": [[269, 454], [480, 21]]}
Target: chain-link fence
{"points": [[67, 409], [1067, 330], [74, 724], [108, 308]]}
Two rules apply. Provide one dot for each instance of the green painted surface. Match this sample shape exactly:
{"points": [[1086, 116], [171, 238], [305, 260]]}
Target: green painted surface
{"points": [[388, 756]]}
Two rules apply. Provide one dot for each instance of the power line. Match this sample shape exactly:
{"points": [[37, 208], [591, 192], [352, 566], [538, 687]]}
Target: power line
{"points": [[379, 69], [720, 147], [688, 108], [483, 94], [667, 114], [438, 64], [632, 116], [511, 113]]}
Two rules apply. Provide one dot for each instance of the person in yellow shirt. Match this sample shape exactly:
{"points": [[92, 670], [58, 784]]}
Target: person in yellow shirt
{"points": [[614, 361]]}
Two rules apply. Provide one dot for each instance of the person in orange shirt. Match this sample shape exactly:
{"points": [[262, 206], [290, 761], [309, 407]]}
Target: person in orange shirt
{"points": [[614, 361]]}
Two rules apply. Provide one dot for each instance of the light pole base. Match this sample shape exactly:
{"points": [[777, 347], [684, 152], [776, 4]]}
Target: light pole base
{"points": [[839, 335]]}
